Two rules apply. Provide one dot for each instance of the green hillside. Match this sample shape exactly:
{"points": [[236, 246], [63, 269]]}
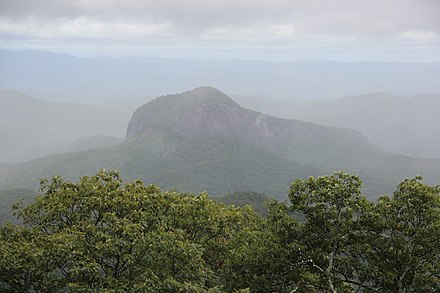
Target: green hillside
{"points": [[217, 165], [193, 143]]}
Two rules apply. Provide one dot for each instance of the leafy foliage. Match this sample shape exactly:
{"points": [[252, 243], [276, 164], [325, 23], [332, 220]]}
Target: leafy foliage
{"points": [[403, 247], [332, 207], [258, 201], [100, 234]]}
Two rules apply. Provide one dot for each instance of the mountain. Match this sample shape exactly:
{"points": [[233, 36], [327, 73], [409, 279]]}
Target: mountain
{"points": [[96, 79], [278, 107], [32, 127], [97, 141], [11, 196], [208, 113], [203, 140], [402, 125]]}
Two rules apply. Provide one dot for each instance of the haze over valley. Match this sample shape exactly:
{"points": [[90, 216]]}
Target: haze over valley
{"points": [[31, 127], [68, 78], [101, 94]]}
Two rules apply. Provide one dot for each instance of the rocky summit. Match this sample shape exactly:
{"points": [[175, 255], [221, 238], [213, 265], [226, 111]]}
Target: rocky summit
{"points": [[206, 112]]}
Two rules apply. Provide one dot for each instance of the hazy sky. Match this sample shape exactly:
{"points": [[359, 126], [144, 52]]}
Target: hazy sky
{"points": [[382, 30]]}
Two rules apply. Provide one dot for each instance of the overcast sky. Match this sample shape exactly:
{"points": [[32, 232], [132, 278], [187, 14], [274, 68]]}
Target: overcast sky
{"points": [[348, 30]]}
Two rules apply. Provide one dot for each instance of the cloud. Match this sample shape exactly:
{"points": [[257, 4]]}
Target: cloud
{"points": [[217, 22], [420, 35], [349, 17], [83, 28]]}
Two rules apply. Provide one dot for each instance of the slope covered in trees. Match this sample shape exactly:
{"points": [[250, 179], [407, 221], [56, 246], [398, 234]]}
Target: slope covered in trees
{"points": [[99, 234], [404, 125], [32, 127], [202, 140]]}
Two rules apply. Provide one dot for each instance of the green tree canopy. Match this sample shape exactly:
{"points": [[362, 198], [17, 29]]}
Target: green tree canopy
{"points": [[101, 235]]}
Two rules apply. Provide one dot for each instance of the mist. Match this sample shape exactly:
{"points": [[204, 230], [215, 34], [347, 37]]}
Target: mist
{"points": [[91, 80]]}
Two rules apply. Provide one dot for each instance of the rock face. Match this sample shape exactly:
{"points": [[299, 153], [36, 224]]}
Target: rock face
{"points": [[207, 112]]}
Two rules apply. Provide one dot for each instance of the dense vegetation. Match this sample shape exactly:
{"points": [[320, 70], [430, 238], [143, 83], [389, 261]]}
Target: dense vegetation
{"points": [[258, 201], [102, 235], [201, 140]]}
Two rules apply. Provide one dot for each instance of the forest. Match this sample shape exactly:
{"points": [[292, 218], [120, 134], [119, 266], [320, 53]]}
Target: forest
{"points": [[101, 234]]}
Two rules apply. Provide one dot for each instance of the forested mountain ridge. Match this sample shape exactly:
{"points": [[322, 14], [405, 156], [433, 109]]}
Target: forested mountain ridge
{"points": [[405, 125], [202, 140], [32, 127]]}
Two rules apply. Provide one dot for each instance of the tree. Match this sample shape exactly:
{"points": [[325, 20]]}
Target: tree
{"points": [[266, 258], [402, 244], [101, 235], [305, 246], [331, 207]]}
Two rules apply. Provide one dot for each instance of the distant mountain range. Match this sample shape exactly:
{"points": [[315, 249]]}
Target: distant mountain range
{"points": [[62, 76], [408, 126], [203, 140], [31, 127], [403, 125]]}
